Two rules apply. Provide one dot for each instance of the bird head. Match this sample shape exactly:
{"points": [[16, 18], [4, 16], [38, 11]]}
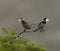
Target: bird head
{"points": [[45, 19], [19, 20]]}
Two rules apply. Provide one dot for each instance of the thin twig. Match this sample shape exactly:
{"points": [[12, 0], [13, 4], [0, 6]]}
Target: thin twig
{"points": [[32, 25], [20, 33]]}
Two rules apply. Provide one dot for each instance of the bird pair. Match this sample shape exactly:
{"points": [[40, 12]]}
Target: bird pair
{"points": [[40, 26]]}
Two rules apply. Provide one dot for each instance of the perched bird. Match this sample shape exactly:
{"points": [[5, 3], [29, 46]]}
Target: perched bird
{"points": [[24, 24], [41, 25]]}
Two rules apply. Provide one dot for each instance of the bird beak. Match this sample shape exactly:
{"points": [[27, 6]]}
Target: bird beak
{"points": [[47, 20]]}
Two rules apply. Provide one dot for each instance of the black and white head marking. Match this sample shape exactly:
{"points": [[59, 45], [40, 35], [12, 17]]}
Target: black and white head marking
{"points": [[19, 20]]}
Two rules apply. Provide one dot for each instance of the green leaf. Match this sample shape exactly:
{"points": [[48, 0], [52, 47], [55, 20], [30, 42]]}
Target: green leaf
{"points": [[9, 43]]}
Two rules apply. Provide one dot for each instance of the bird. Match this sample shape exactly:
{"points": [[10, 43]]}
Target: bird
{"points": [[24, 24], [41, 25]]}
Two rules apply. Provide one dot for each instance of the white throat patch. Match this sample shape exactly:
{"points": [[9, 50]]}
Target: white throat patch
{"points": [[19, 20], [47, 20]]}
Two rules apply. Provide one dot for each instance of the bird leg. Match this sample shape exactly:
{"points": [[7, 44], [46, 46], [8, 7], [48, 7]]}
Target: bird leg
{"points": [[42, 30]]}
